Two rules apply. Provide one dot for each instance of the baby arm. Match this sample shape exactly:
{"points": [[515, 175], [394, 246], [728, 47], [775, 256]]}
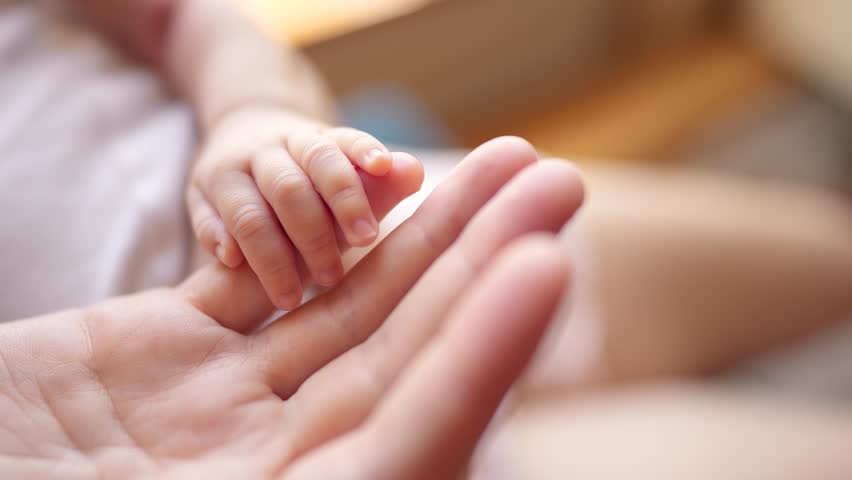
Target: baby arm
{"points": [[211, 54], [275, 184]]}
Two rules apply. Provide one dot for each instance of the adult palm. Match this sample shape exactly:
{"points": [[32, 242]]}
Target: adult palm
{"points": [[393, 374]]}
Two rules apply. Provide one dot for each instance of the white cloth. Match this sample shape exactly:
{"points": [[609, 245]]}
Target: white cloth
{"points": [[93, 160]]}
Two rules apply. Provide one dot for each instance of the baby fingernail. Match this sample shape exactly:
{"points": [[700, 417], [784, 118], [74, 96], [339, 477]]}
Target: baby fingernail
{"points": [[364, 230], [374, 155], [328, 277], [378, 160], [289, 300], [220, 253]]}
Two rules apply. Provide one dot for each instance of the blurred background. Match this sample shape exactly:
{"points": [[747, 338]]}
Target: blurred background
{"points": [[756, 86], [683, 113]]}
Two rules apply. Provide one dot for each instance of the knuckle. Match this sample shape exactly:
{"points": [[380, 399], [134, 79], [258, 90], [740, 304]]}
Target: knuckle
{"points": [[204, 227], [202, 176], [334, 132], [289, 187], [318, 154], [218, 181], [210, 169], [363, 141], [320, 243], [348, 196], [278, 268], [341, 179], [249, 220]]}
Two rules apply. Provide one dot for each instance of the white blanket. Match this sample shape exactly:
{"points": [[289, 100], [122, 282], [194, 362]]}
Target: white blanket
{"points": [[93, 160]]}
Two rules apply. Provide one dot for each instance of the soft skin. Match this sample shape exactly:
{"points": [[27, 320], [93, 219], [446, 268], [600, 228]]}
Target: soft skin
{"points": [[393, 374]]}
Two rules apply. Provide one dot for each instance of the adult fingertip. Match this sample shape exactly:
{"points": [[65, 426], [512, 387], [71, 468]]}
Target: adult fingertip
{"points": [[542, 249], [568, 172], [538, 256], [513, 146]]}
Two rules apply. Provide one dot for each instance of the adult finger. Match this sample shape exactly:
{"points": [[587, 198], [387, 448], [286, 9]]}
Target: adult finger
{"points": [[431, 420], [331, 324], [542, 198], [236, 299]]}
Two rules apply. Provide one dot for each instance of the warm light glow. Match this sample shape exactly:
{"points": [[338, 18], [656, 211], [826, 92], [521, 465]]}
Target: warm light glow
{"points": [[307, 21]]}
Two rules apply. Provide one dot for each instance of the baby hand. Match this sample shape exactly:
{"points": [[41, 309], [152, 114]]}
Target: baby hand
{"points": [[287, 194]]}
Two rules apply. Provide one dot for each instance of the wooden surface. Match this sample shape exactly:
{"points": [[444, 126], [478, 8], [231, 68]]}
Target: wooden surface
{"points": [[646, 107], [643, 108]]}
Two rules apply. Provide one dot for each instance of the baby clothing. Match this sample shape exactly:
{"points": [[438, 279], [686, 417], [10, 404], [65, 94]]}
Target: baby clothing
{"points": [[94, 156]]}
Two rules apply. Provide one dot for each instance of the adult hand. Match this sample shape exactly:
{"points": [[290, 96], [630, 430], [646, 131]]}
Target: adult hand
{"points": [[393, 374]]}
